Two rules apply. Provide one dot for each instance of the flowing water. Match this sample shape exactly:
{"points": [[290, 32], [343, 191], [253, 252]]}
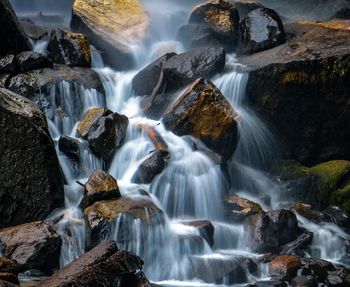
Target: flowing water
{"points": [[192, 186]]}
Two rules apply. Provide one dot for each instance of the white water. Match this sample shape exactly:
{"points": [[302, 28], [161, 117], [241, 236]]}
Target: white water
{"points": [[192, 186]]}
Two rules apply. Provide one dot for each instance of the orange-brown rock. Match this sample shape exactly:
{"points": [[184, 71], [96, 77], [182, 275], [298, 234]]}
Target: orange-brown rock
{"points": [[203, 112], [89, 118], [306, 211], [284, 266], [241, 207]]}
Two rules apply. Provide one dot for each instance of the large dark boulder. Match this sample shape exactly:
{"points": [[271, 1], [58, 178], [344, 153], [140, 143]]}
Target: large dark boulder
{"points": [[13, 38], [147, 79], [301, 88], [69, 48], [33, 245], [102, 266], [29, 60], [216, 127], [221, 17], [107, 134], [182, 69], [30, 174], [260, 30]]}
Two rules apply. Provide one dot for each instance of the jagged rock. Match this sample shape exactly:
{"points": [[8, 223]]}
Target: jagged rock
{"points": [[30, 174], [13, 38], [69, 48], [100, 215], [110, 26], [147, 79], [32, 30], [103, 266], [205, 227], [221, 17], [182, 69], [260, 30], [284, 266], [70, 147], [100, 186], [301, 88], [28, 61], [9, 277], [304, 281], [8, 64], [89, 118], [149, 169], [33, 245], [240, 208], [217, 127], [301, 242], [107, 134], [267, 231]]}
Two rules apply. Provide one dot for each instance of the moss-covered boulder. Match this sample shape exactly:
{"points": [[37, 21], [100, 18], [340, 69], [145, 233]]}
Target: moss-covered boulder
{"points": [[30, 174], [111, 26], [301, 88]]}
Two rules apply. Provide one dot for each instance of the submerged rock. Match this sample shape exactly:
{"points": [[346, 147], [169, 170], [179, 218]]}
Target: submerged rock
{"points": [[100, 186], [28, 61], [13, 38], [30, 174], [111, 27], [260, 30], [103, 266], [70, 49], [182, 69], [33, 245], [216, 127]]}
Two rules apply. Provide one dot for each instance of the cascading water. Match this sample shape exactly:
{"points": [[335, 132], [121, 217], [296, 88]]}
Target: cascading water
{"points": [[192, 186]]}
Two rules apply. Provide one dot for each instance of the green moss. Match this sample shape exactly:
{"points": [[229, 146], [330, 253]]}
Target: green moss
{"points": [[341, 198], [291, 169]]}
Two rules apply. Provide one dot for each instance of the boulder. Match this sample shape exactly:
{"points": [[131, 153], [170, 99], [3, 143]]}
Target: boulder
{"points": [[101, 214], [268, 231], [89, 118], [33, 245], [100, 186], [260, 30], [103, 266], [69, 49], [182, 69], [107, 134], [284, 266], [240, 208], [147, 79], [28, 61], [13, 38], [70, 147], [301, 89], [205, 228], [8, 64], [149, 169], [216, 127], [221, 17], [30, 174], [112, 27]]}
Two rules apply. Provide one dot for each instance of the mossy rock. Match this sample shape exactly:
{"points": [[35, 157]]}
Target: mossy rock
{"points": [[341, 197], [291, 169]]}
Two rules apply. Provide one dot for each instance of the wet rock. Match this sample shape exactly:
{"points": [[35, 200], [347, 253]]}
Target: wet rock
{"points": [[28, 61], [70, 147], [70, 49], [338, 216], [267, 231], [32, 245], [260, 30], [223, 269], [9, 277], [304, 281], [111, 27], [30, 174], [89, 118], [245, 7], [9, 265], [182, 69], [107, 134], [221, 17], [306, 211], [100, 215], [268, 283], [335, 280], [319, 267], [284, 266], [205, 227], [217, 127], [13, 37], [300, 243], [301, 89], [8, 64], [4, 79], [147, 79], [100, 186], [103, 266], [149, 169], [240, 208], [32, 30]]}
